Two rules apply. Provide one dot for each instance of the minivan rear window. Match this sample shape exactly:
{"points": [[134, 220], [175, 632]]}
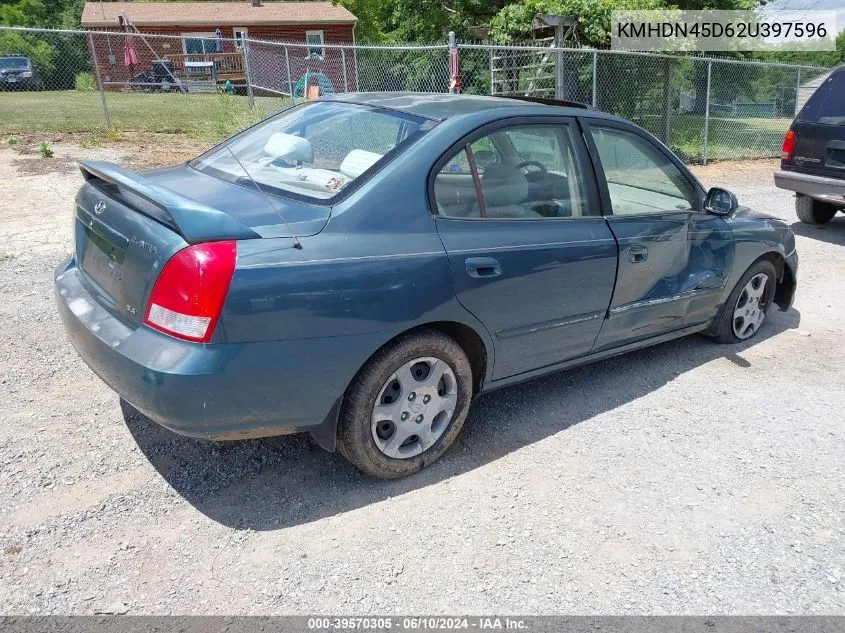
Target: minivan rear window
{"points": [[827, 104], [316, 151]]}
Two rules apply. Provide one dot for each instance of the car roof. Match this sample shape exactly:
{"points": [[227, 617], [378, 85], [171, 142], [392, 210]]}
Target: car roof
{"points": [[441, 106]]}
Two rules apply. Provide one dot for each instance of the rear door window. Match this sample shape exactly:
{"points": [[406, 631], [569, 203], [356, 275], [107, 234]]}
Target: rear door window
{"points": [[827, 104], [519, 172]]}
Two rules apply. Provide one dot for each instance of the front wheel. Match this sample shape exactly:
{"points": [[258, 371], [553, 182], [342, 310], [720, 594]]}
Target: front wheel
{"points": [[406, 406], [745, 310], [812, 211]]}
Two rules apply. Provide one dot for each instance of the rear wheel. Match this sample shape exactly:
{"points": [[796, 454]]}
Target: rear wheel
{"points": [[406, 406], [812, 211], [745, 310]]}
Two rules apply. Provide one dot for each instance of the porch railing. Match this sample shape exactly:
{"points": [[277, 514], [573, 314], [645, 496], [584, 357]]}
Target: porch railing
{"points": [[226, 65]]}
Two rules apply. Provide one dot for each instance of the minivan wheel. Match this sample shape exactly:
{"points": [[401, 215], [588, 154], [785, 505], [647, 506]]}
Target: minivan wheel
{"points": [[745, 310], [812, 211], [406, 406]]}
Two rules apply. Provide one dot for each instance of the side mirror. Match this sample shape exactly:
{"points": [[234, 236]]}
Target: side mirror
{"points": [[720, 202]]}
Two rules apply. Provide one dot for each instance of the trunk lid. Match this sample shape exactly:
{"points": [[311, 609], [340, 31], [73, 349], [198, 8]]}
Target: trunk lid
{"points": [[128, 225], [119, 249]]}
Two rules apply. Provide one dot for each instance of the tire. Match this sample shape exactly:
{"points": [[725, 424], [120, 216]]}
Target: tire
{"points": [[813, 211], [727, 328], [365, 436]]}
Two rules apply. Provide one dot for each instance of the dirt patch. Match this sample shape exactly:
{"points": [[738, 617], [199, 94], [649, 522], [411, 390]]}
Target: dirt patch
{"points": [[140, 150], [158, 150], [727, 170], [32, 166]]}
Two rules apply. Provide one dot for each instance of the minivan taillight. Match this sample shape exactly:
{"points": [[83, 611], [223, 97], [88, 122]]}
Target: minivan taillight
{"points": [[788, 145], [189, 294]]}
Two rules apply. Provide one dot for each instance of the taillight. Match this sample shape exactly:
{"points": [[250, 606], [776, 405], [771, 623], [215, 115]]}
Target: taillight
{"points": [[188, 295], [788, 145]]}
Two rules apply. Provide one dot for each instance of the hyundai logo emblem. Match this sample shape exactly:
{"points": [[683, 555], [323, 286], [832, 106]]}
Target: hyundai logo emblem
{"points": [[99, 207]]}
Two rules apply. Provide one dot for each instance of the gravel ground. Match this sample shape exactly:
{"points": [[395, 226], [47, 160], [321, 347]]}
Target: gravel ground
{"points": [[686, 478]]}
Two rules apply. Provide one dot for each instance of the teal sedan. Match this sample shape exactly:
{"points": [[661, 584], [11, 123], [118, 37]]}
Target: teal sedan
{"points": [[363, 266]]}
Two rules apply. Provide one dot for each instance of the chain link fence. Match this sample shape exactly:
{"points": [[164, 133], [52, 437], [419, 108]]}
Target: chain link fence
{"points": [[703, 108], [88, 81]]}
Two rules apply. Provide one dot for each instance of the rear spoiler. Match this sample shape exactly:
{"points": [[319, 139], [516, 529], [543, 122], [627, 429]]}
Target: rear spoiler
{"points": [[194, 221]]}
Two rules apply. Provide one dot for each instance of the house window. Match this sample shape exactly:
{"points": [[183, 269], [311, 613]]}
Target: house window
{"points": [[314, 39], [199, 43], [240, 36]]}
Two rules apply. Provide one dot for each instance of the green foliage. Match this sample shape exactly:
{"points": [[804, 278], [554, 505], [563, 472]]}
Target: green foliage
{"points": [[45, 150], [424, 21], [230, 115], [23, 13], [513, 23], [112, 134], [84, 82], [370, 14], [58, 56], [815, 58], [38, 50]]}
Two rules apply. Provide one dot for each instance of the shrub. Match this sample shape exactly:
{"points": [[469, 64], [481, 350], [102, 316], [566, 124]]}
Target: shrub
{"points": [[85, 82], [230, 114], [45, 150], [112, 134]]}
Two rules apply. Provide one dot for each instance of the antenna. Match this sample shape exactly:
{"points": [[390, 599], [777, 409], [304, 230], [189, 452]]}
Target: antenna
{"points": [[296, 242]]}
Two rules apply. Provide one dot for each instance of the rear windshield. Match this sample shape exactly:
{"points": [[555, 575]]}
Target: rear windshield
{"points": [[827, 103], [14, 62], [314, 151]]}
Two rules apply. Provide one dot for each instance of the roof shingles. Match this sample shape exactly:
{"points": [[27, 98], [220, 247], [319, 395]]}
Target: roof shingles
{"points": [[219, 13]]}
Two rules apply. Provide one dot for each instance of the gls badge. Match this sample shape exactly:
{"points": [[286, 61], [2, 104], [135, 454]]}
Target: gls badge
{"points": [[143, 245]]}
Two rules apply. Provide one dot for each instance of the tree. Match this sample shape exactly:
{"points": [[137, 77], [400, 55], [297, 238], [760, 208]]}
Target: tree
{"points": [[513, 22]]}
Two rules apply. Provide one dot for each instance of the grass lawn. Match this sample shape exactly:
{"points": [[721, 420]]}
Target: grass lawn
{"points": [[198, 115], [213, 116], [728, 137]]}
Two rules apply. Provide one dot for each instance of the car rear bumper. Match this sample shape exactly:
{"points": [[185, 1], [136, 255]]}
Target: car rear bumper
{"points": [[217, 391], [817, 187]]}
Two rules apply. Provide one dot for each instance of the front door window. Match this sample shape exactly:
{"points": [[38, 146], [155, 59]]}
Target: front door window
{"points": [[640, 179]]}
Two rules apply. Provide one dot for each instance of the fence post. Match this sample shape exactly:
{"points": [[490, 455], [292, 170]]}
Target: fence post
{"points": [[797, 91], [667, 101], [290, 79], [343, 61], [454, 65], [245, 53], [492, 77], [99, 79], [558, 73], [595, 69], [706, 113]]}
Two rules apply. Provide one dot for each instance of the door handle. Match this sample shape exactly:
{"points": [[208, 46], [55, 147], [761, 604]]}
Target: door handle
{"points": [[483, 267], [637, 253]]}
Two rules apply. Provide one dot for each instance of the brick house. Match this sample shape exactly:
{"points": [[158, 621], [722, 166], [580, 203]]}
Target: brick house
{"points": [[206, 40]]}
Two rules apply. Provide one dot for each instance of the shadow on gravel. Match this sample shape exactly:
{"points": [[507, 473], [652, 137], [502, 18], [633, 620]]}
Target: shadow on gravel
{"points": [[833, 232], [277, 482]]}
